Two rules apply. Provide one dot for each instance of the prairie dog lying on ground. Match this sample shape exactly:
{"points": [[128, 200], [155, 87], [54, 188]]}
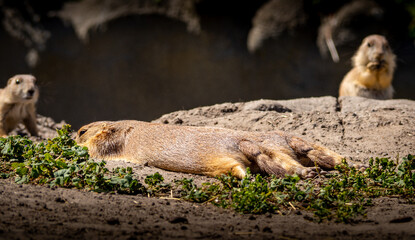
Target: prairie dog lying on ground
{"points": [[372, 72], [17, 104], [205, 150]]}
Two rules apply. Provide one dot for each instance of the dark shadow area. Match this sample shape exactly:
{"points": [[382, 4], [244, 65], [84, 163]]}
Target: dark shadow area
{"points": [[140, 67]]}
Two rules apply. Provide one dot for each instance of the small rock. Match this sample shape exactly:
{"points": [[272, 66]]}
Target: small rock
{"points": [[113, 221], [179, 220], [401, 220], [59, 200]]}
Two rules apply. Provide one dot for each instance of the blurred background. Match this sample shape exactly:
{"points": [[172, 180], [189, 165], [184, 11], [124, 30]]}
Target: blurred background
{"points": [[139, 59]]}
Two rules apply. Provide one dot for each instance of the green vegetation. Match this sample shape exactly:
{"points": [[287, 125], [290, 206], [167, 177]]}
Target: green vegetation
{"points": [[61, 162], [156, 185], [341, 196]]}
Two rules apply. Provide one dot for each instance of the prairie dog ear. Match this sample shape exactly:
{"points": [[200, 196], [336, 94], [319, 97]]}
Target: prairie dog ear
{"points": [[115, 130], [115, 127], [109, 128], [89, 131], [10, 80]]}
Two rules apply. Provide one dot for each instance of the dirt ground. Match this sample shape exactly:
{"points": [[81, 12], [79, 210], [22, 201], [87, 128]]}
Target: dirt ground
{"points": [[355, 127]]}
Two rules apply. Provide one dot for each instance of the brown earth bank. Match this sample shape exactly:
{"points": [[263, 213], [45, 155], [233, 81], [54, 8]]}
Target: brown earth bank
{"points": [[356, 127]]}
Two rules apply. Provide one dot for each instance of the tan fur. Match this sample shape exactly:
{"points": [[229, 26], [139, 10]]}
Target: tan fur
{"points": [[17, 104], [204, 150], [372, 72]]}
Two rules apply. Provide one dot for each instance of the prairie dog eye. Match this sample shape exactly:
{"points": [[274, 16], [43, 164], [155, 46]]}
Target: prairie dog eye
{"points": [[369, 44], [18, 81], [81, 132]]}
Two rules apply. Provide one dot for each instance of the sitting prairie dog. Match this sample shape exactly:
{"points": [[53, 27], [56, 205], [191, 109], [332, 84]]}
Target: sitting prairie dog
{"points": [[372, 72], [205, 150], [17, 104]]}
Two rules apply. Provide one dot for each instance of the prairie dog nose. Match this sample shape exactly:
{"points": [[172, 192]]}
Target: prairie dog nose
{"points": [[379, 55], [31, 92]]}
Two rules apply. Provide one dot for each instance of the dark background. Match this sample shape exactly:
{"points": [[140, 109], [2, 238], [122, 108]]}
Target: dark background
{"points": [[143, 66]]}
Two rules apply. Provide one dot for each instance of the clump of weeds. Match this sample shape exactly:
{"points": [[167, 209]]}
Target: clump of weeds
{"points": [[341, 196], [61, 162], [156, 185]]}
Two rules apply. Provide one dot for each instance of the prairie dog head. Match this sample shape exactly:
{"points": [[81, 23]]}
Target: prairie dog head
{"points": [[22, 88], [375, 54], [103, 139]]}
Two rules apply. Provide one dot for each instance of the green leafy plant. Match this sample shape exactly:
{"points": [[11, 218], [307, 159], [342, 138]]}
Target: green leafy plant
{"points": [[341, 196], [191, 192], [156, 184], [61, 162]]}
